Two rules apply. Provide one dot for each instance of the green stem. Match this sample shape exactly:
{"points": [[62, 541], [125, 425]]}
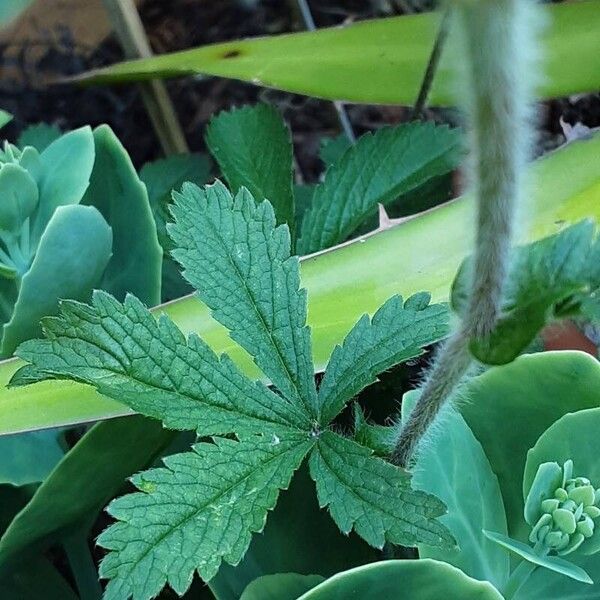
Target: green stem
{"points": [[432, 65], [518, 578], [83, 567]]}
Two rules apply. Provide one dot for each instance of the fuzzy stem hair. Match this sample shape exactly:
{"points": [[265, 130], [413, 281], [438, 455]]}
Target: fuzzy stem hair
{"points": [[496, 36]]}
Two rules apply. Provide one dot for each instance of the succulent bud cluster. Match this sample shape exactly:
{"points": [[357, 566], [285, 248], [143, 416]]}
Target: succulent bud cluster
{"points": [[19, 170], [562, 509]]}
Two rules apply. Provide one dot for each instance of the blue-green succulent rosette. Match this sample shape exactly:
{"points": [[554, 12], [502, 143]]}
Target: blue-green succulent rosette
{"points": [[518, 466], [66, 212]]}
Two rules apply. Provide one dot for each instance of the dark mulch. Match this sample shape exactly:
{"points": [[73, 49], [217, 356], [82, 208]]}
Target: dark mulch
{"points": [[180, 24]]}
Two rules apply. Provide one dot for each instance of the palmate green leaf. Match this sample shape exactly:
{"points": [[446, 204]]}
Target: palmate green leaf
{"points": [[199, 510], [240, 264], [345, 283], [204, 505], [549, 279], [377, 170], [372, 496], [397, 332], [254, 149], [148, 365]]}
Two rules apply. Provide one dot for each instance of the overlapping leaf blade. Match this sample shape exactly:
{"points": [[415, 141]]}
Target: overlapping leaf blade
{"points": [[40, 136], [397, 332], [148, 365], [254, 149], [240, 263], [164, 175], [377, 170], [555, 277], [197, 511], [373, 497]]}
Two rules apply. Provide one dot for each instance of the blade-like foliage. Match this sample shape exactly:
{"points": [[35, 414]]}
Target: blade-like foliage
{"points": [[198, 510], [240, 263], [148, 365], [357, 487], [376, 61], [556, 277], [377, 170], [254, 149], [397, 332]]}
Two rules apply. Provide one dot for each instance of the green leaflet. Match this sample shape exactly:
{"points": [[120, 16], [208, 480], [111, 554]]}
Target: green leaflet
{"points": [[197, 511], [231, 249], [346, 282], [321, 548], [553, 563], [164, 175], [332, 149], [357, 489], [254, 149], [397, 332], [40, 136], [240, 264], [558, 276], [149, 366], [377, 170]]}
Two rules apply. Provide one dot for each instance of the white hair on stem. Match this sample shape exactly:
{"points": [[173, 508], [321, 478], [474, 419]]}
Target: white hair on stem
{"points": [[499, 48]]}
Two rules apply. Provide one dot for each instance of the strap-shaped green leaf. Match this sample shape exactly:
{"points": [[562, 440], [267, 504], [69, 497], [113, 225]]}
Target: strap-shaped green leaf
{"points": [[373, 497], [254, 150], [377, 170], [240, 263], [554, 563], [148, 365], [397, 332], [197, 511]]}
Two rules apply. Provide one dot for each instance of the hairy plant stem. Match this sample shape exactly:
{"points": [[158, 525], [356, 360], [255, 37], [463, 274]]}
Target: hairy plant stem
{"points": [[496, 50]]}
